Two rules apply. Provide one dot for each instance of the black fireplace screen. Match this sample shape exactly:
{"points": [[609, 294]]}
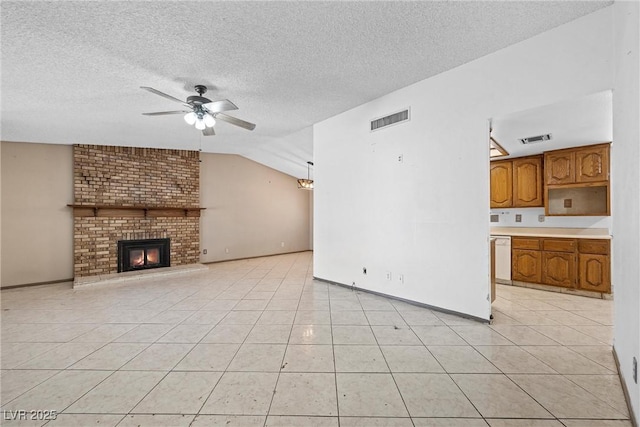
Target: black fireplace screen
{"points": [[143, 254]]}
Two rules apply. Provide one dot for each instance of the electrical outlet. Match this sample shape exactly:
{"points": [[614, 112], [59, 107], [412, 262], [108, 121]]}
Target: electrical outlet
{"points": [[518, 217], [540, 218], [388, 275], [401, 278], [204, 251], [400, 158], [635, 370], [226, 250], [364, 270], [282, 244], [494, 218]]}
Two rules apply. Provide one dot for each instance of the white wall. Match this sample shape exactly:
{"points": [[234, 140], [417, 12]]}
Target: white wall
{"points": [[625, 175], [426, 217], [37, 225], [251, 209]]}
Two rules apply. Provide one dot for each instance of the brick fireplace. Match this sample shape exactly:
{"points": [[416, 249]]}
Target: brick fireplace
{"points": [[125, 194]]}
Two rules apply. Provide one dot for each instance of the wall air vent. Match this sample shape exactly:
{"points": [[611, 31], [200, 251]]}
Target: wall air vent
{"points": [[535, 139], [391, 119]]}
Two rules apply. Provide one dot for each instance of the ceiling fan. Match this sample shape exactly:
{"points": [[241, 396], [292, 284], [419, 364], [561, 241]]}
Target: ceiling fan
{"points": [[201, 111]]}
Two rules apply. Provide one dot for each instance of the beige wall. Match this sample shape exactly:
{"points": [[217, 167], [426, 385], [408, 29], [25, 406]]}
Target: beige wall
{"points": [[250, 209], [37, 225]]}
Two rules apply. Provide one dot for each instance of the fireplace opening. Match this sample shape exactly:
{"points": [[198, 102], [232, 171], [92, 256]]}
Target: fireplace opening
{"points": [[143, 254]]}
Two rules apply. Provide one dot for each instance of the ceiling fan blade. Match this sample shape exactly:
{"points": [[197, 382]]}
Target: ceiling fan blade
{"points": [[164, 95], [218, 106], [235, 121], [208, 132], [164, 113]]}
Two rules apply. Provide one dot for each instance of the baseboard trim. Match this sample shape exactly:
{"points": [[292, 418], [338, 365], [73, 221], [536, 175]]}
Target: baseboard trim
{"points": [[559, 289], [256, 256], [26, 285], [625, 390], [416, 303]]}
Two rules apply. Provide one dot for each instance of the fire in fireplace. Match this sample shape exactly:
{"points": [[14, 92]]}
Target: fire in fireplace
{"points": [[143, 254]]}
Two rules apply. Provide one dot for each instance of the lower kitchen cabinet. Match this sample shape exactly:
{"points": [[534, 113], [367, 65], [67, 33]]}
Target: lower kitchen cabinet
{"points": [[570, 263], [595, 273], [526, 265], [558, 269]]}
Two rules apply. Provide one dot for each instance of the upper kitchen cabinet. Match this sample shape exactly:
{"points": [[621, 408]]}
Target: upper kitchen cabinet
{"points": [[501, 175], [527, 182], [592, 163], [560, 167], [516, 183], [577, 181], [577, 165]]}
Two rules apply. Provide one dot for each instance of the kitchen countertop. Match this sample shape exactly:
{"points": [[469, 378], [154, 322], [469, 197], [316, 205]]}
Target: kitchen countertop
{"points": [[570, 233]]}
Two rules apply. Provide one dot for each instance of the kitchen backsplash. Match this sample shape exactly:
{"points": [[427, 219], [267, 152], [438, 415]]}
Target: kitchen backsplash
{"points": [[530, 218]]}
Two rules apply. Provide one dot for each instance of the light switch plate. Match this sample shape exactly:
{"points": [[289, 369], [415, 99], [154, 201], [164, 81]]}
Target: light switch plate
{"points": [[540, 218]]}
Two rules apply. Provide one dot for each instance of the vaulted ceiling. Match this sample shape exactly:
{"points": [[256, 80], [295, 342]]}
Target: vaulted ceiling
{"points": [[72, 71]]}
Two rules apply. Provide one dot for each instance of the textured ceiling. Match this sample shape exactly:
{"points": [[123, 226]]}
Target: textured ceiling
{"points": [[71, 71]]}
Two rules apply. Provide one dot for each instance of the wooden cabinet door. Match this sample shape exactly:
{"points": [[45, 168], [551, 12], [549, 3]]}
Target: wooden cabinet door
{"points": [[558, 269], [525, 265], [559, 167], [592, 164], [527, 182], [501, 184], [594, 273]]}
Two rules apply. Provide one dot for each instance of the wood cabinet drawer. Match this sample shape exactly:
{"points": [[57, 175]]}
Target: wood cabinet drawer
{"points": [[531, 243], [593, 246], [559, 245]]}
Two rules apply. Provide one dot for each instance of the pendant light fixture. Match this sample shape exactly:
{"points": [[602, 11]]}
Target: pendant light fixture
{"points": [[306, 184]]}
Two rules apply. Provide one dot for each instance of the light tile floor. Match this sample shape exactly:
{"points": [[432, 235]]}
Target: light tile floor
{"points": [[260, 343]]}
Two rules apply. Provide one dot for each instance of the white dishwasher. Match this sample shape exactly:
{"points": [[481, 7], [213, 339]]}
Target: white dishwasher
{"points": [[503, 259]]}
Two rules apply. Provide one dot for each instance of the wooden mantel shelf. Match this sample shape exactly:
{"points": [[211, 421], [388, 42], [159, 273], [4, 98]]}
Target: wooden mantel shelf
{"points": [[133, 211]]}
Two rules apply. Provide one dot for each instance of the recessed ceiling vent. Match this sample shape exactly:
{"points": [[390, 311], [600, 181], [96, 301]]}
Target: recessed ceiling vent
{"points": [[536, 139], [391, 119]]}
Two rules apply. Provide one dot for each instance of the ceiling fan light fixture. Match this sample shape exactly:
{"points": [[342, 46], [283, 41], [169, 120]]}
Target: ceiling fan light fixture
{"points": [[190, 118], [209, 121], [205, 113]]}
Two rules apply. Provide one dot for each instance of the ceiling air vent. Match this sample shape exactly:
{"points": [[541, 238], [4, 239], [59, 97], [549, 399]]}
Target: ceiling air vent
{"points": [[389, 120], [535, 139]]}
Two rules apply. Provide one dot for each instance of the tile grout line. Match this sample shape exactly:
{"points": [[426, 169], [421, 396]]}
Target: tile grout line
{"points": [[284, 355]]}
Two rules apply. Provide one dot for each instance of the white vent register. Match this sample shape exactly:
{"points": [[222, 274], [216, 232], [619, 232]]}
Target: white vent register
{"points": [[535, 139], [391, 119]]}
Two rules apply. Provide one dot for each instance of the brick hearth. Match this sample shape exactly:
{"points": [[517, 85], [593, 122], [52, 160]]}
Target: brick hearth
{"points": [[127, 177]]}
